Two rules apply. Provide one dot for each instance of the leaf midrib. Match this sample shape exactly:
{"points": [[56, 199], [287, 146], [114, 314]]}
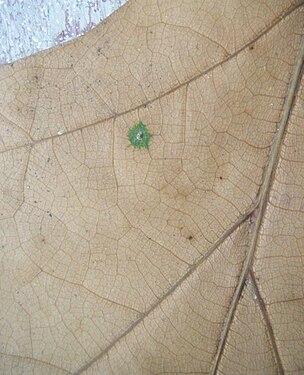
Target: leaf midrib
{"points": [[263, 199], [259, 206]]}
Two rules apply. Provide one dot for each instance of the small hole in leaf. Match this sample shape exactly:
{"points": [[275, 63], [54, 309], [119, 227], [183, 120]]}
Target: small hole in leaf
{"points": [[140, 135]]}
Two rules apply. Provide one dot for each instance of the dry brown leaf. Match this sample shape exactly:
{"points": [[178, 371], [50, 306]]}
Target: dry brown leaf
{"points": [[188, 257]]}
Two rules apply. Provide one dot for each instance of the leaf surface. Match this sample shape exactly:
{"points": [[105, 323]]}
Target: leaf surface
{"points": [[184, 258]]}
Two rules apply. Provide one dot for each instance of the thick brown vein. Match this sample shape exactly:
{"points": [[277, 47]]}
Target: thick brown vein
{"points": [[201, 260], [262, 306], [197, 76], [263, 198]]}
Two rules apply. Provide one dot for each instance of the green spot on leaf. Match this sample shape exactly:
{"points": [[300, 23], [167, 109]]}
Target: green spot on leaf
{"points": [[139, 136]]}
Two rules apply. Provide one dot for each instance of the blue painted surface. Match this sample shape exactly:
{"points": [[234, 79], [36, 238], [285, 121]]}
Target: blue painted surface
{"points": [[29, 26]]}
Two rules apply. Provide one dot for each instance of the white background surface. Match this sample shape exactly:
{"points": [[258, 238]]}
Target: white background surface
{"points": [[29, 26]]}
